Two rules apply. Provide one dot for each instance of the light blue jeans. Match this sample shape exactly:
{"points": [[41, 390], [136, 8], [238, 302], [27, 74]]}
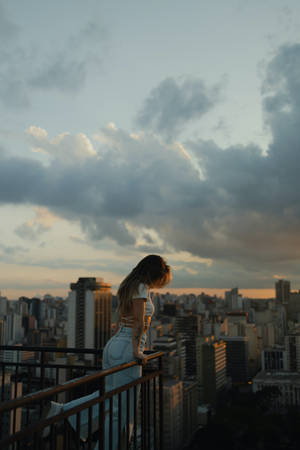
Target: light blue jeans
{"points": [[118, 350]]}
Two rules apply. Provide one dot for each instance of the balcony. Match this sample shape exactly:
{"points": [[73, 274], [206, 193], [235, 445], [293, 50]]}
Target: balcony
{"points": [[28, 386]]}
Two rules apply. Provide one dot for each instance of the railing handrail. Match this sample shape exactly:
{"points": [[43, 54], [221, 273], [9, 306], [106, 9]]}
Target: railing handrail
{"points": [[41, 348], [69, 385], [47, 365]]}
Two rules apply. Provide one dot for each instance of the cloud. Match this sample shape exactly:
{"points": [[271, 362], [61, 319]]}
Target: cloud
{"points": [[27, 68], [63, 147], [33, 229], [240, 219], [12, 250], [172, 104], [67, 69]]}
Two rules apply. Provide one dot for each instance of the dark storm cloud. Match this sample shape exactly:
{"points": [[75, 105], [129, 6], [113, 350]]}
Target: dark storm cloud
{"points": [[243, 212], [171, 105]]}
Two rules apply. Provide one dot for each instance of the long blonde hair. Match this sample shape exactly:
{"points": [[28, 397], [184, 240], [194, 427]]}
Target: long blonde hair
{"points": [[152, 271]]}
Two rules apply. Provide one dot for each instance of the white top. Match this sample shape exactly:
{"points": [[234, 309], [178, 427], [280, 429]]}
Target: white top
{"points": [[143, 292]]}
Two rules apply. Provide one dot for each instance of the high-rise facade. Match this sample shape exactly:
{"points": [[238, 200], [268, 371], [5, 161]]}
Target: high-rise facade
{"points": [[189, 327], [237, 361], [173, 414], [292, 347], [211, 369], [283, 290], [89, 317], [174, 355], [274, 359], [190, 406]]}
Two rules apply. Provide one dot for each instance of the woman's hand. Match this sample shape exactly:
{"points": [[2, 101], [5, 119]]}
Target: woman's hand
{"points": [[140, 357]]}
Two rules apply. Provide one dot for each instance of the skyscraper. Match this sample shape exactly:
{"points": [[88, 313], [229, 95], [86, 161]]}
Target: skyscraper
{"points": [[292, 347], [211, 368], [283, 288], [237, 361], [189, 327], [89, 318]]}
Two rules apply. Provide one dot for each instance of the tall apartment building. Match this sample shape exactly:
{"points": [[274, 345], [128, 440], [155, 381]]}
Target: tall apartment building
{"points": [[283, 290], [237, 361], [189, 327], [2, 332], [3, 306], [173, 414], [190, 408], [14, 330], [89, 317], [293, 309], [211, 369], [233, 300], [292, 347], [174, 355]]}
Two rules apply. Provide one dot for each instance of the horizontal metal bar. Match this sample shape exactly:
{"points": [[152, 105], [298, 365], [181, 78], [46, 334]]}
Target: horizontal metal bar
{"points": [[50, 392], [51, 366], [51, 349]]}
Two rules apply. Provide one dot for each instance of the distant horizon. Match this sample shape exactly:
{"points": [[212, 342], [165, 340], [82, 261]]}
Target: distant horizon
{"points": [[11, 294]]}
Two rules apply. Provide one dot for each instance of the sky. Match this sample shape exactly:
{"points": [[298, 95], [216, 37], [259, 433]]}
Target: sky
{"points": [[129, 128]]}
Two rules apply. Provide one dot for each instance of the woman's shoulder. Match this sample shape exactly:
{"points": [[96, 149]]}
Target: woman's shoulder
{"points": [[142, 291]]}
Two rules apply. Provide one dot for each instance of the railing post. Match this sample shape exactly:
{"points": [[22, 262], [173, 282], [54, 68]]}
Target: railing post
{"points": [[42, 369], [161, 406], [102, 415]]}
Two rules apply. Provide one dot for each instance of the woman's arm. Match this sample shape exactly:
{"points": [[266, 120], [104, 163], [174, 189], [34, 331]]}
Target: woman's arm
{"points": [[138, 312]]}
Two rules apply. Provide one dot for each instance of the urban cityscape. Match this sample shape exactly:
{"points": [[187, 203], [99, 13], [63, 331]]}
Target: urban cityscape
{"points": [[213, 347], [149, 128]]}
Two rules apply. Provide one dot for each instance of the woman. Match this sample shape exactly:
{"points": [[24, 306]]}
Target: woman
{"points": [[135, 311]]}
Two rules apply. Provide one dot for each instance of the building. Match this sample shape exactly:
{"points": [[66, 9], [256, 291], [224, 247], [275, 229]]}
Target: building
{"points": [[173, 414], [293, 308], [190, 408], [3, 306], [14, 330], [89, 318], [211, 369], [174, 355], [287, 384], [250, 331], [283, 290], [274, 359], [237, 361], [188, 325], [233, 300], [292, 347]]}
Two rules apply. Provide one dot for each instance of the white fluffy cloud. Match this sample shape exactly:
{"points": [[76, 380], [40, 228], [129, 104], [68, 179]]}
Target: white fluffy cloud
{"points": [[64, 147]]}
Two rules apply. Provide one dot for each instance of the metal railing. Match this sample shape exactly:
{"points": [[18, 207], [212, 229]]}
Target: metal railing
{"points": [[33, 372], [129, 417]]}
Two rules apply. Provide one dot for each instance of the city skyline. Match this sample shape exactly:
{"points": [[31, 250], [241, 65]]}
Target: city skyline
{"points": [[159, 128]]}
